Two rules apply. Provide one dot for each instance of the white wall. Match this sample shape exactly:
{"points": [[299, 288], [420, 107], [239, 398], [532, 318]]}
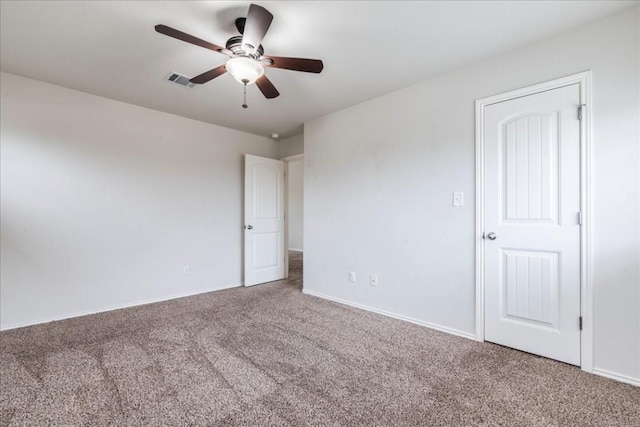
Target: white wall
{"points": [[104, 203], [291, 146], [295, 211], [379, 178]]}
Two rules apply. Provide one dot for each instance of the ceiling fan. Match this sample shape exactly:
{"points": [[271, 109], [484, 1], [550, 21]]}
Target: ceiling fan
{"points": [[246, 61]]}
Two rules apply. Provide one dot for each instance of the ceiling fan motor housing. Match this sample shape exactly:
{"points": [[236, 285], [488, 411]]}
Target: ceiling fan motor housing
{"points": [[234, 44]]}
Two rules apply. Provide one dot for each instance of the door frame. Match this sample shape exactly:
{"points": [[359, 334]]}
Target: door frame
{"points": [[586, 292]]}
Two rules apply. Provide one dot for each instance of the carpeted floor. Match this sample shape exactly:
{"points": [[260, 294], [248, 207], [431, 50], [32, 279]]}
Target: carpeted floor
{"points": [[269, 355]]}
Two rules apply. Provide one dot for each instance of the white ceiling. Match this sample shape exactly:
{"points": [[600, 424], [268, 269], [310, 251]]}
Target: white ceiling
{"points": [[110, 48]]}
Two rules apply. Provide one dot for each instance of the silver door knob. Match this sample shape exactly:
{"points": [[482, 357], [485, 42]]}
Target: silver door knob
{"points": [[249, 227], [492, 236]]}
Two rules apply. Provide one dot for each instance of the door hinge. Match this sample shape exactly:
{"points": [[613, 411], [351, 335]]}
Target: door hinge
{"points": [[580, 322], [580, 218], [581, 111]]}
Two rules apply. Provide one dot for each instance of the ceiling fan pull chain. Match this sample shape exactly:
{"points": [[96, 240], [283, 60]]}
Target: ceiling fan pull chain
{"points": [[245, 97]]}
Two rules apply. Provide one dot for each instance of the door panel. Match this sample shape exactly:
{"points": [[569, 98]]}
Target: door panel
{"points": [[530, 292], [264, 220], [263, 249], [532, 201], [530, 159]]}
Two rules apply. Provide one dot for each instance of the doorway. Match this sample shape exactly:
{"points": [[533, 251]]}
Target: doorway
{"points": [[531, 212], [294, 190], [273, 219]]}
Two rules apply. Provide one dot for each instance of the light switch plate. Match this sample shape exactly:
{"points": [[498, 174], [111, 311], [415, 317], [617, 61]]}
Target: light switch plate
{"points": [[373, 280], [458, 199]]}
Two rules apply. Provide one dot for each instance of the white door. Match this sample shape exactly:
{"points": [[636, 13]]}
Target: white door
{"points": [[263, 220], [532, 204]]}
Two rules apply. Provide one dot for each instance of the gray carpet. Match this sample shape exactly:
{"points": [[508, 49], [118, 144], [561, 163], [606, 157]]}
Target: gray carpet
{"points": [[269, 355]]}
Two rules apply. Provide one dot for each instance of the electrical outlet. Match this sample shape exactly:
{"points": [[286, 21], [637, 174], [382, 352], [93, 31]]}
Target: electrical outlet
{"points": [[186, 270], [373, 280], [352, 277]]}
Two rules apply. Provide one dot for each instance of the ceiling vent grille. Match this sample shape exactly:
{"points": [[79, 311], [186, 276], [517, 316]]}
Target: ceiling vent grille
{"points": [[179, 79]]}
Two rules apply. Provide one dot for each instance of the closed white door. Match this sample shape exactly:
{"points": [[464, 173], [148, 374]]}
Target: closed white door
{"points": [[263, 220], [532, 226]]}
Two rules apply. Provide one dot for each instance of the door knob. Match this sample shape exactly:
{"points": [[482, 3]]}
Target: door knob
{"points": [[249, 227], [492, 236]]}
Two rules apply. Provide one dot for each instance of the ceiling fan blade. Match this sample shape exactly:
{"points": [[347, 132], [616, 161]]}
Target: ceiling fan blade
{"points": [[177, 34], [256, 26], [266, 87], [295, 64], [209, 75]]}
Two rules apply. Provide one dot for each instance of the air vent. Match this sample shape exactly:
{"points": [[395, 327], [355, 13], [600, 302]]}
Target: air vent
{"points": [[179, 79]]}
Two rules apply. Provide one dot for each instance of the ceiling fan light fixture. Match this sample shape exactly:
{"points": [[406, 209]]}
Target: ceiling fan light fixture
{"points": [[244, 70]]}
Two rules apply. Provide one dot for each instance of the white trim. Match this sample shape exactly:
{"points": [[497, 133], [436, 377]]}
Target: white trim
{"points": [[392, 315], [479, 221], [295, 250], [293, 158], [586, 291], [618, 377], [113, 307], [286, 218]]}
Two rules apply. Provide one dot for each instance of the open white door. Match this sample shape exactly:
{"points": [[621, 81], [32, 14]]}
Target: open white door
{"points": [[263, 220], [532, 223]]}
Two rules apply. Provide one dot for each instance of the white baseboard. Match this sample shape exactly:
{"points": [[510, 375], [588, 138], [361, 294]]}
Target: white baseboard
{"points": [[296, 250], [393, 315], [112, 307], [617, 377]]}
